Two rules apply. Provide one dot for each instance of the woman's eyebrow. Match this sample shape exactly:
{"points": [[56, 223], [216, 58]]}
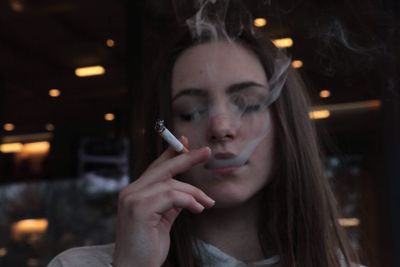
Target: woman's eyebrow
{"points": [[234, 88], [191, 92], [237, 87]]}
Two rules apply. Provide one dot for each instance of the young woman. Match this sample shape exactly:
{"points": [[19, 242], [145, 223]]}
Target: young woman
{"points": [[251, 191]]}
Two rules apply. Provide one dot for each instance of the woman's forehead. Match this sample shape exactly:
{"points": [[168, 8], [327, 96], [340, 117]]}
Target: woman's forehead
{"points": [[216, 65]]}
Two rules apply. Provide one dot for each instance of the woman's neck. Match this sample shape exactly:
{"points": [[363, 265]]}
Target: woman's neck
{"points": [[233, 230]]}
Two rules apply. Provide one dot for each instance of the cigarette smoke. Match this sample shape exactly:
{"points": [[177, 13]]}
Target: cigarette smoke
{"points": [[218, 20], [207, 23], [344, 48]]}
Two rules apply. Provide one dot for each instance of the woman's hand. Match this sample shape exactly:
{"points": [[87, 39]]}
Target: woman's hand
{"points": [[148, 207]]}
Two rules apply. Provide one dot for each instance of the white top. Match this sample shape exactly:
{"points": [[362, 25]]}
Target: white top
{"points": [[101, 256], [214, 257], [93, 256]]}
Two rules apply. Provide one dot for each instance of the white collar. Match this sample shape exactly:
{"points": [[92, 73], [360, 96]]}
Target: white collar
{"points": [[211, 256]]}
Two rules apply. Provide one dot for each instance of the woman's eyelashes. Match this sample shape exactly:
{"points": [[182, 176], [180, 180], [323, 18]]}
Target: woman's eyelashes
{"points": [[198, 115], [252, 108], [238, 106], [247, 105], [188, 110], [191, 116]]}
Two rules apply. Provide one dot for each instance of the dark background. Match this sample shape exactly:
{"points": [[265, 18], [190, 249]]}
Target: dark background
{"points": [[348, 47]]}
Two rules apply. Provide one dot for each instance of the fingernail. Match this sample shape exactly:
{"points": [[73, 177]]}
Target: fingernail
{"points": [[206, 149], [200, 207], [211, 201]]}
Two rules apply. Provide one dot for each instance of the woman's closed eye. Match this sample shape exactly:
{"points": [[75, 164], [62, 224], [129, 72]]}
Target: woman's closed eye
{"points": [[247, 105], [252, 108], [192, 116]]}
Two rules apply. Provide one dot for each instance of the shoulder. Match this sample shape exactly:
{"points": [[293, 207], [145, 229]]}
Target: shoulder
{"points": [[85, 256], [344, 264]]}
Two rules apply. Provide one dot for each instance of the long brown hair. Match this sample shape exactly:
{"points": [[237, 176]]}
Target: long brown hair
{"points": [[299, 214]]}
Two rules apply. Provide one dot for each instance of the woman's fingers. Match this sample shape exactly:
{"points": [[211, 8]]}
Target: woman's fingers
{"points": [[169, 153], [172, 199], [157, 179], [152, 207], [185, 141], [172, 184], [169, 168], [178, 164]]}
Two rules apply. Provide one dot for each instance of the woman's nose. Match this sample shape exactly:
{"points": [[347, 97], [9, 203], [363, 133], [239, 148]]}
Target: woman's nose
{"points": [[222, 127]]}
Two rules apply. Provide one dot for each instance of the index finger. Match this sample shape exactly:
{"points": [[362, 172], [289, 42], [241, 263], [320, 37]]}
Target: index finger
{"points": [[181, 163], [169, 153]]}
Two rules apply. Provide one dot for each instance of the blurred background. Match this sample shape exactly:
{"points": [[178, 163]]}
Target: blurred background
{"points": [[70, 75]]}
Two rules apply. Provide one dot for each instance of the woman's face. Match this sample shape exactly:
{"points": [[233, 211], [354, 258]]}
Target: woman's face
{"points": [[218, 94]]}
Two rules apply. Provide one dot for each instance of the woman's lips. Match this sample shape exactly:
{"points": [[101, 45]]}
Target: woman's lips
{"points": [[225, 170], [223, 161]]}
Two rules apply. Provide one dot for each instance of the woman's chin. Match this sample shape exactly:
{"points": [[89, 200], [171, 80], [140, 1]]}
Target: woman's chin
{"points": [[228, 198]]}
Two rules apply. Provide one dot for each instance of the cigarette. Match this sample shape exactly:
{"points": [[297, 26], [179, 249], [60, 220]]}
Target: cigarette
{"points": [[169, 137]]}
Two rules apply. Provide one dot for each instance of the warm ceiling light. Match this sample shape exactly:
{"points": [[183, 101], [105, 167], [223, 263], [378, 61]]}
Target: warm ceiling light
{"points": [[29, 227], [319, 114], [32, 262], [36, 147], [16, 5], [352, 106], [8, 127], [260, 22], [325, 93], [50, 127], [29, 148], [297, 64], [110, 43], [109, 116], [3, 252], [89, 71], [11, 148], [54, 92], [283, 42], [372, 104], [349, 222]]}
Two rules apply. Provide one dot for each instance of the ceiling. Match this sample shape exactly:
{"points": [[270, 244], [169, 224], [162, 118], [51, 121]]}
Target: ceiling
{"points": [[42, 42]]}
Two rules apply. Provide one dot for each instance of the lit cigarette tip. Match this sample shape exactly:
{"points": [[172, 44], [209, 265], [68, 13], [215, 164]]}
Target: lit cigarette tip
{"points": [[159, 126]]}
